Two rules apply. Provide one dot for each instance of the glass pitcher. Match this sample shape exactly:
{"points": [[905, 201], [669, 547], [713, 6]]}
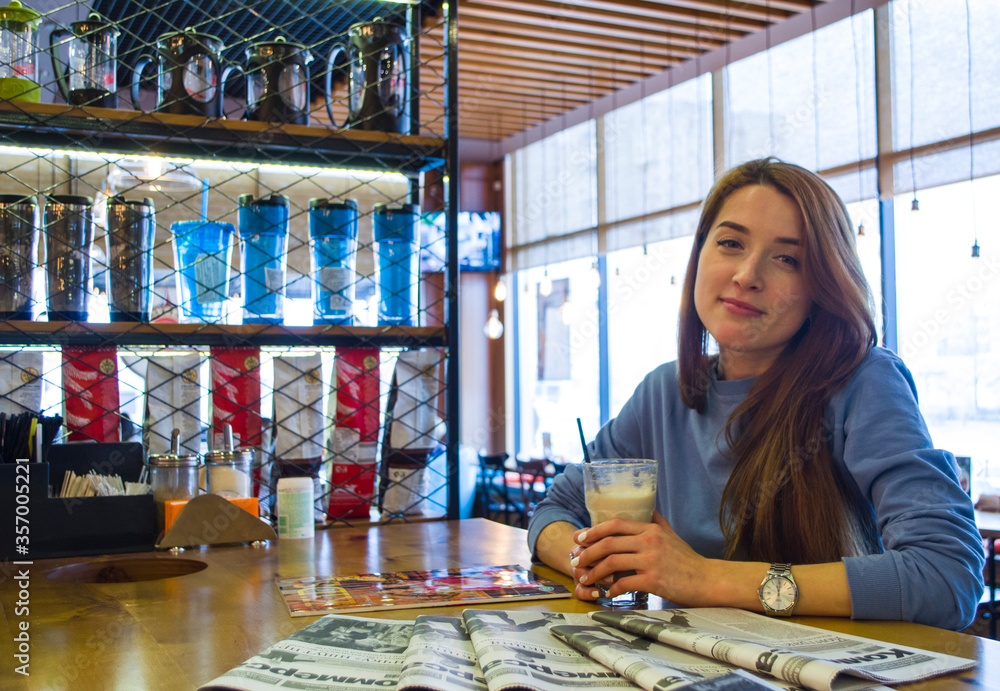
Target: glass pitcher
{"points": [[278, 82], [93, 61], [18, 69], [190, 76], [377, 59]]}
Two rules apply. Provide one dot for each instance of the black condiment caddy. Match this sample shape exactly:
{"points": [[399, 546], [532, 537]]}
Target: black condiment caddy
{"points": [[76, 526]]}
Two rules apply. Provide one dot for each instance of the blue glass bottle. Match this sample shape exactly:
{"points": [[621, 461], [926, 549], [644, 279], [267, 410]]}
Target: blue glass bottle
{"points": [[263, 227], [333, 239], [202, 253], [398, 250]]}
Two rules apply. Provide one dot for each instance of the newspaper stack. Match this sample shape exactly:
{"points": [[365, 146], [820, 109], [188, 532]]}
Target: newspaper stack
{"points": [[495, 650]]}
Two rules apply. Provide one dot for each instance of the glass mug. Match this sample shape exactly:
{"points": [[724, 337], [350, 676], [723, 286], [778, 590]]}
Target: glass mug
{"points": [[620, 488]]}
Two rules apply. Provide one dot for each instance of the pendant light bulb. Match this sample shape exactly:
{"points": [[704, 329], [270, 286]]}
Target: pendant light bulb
{"points": [[500, 290], [567, 312], [494, 327], [975, 249], [861, 230], [915, 206], [545, 285]]}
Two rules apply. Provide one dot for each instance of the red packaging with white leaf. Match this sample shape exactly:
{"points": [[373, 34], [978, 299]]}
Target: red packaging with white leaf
{"points": [[235, 386], [90, 389], [353, 440]]}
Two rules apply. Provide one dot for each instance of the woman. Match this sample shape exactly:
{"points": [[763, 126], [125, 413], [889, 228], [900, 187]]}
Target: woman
{"points": [[800, 443]]}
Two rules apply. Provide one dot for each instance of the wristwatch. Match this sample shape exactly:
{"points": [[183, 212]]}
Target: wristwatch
{"points": [[778, 592]]}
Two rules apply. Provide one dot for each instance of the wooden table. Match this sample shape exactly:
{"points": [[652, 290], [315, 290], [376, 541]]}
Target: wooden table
{"points": [[178, 633], [988, 523]]}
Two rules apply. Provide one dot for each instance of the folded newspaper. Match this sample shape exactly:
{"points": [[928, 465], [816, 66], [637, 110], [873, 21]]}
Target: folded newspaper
{"points": [[497, 650], [801, 655]]}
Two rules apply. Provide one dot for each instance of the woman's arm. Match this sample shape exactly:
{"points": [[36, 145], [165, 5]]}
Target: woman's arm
{"points": [[666, 566], [554, 544], [930, 571]]}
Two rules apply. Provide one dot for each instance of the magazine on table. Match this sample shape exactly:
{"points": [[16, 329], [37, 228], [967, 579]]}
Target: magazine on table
{"points": [[372, 592], [802, 655]]}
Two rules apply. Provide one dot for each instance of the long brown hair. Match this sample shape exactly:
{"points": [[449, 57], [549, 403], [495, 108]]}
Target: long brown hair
{"points": [[785, 499]]}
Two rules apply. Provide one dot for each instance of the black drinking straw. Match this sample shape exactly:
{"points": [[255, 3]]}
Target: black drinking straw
{"points": [[583, 441]]}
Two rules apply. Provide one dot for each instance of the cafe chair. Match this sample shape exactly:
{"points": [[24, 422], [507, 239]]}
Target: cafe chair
{"points": [[536, 478], [494, 491]]}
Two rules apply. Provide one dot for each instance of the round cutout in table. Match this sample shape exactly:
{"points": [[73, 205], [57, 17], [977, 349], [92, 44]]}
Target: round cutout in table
{"points": [[125, 570]]}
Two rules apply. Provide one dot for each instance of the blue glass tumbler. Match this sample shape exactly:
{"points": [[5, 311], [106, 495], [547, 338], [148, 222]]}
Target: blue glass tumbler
{"points": [[398, 250], [333, 239], [264, 243], [202, 254]]}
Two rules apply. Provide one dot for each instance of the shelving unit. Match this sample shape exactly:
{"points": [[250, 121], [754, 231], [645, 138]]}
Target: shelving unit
{"points": [[126, 132], [44, 134]]}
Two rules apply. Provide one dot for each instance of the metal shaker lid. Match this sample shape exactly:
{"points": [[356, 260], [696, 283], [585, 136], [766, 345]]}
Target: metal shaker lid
{"points": [[228, 455], [173, 459]]}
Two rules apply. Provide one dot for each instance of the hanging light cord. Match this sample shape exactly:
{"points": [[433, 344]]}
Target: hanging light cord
{"points": [[770, 76], [913, 174], [815, 94], [972, 148], [861, 120]]}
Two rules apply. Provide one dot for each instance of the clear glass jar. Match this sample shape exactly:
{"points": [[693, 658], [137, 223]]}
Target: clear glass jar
{"points": [[172, 478], [229, 472]]}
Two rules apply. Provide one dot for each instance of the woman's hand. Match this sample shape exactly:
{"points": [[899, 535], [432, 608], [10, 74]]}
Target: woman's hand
{"points": [[649, 557]]}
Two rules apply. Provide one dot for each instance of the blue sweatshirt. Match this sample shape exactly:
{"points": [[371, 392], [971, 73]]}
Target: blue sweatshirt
{"points": [[930, 569]]}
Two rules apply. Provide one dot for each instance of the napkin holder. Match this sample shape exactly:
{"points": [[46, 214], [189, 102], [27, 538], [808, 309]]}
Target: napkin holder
{"points": [[209, 519]]}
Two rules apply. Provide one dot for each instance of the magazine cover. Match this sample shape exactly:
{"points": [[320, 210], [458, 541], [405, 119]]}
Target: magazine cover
{"points": [[371, 592]]}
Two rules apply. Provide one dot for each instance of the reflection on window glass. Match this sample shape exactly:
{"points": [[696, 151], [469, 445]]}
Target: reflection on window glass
{"points": [[949, 316], [644, 292], [658, 151], [869, 250], [558, 346], [809, 101], [557, 184]]}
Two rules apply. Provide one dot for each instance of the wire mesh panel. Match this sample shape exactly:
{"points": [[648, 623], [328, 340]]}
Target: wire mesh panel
{"points": [[221, 216]]}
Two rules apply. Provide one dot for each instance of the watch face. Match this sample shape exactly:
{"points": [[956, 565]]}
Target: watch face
{"points": [[778, 593]]}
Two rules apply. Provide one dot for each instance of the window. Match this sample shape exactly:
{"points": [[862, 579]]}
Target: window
{"points": [[558, 348], [949, 314], [658, 155], [644, 293]]}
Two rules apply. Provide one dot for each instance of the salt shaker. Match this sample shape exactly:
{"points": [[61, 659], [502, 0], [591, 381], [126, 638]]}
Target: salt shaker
{"points": [[172, 476], [229, 469]]}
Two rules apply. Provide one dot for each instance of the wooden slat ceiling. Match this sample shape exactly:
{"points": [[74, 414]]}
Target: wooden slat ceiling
{"points": [[522, 62]]}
